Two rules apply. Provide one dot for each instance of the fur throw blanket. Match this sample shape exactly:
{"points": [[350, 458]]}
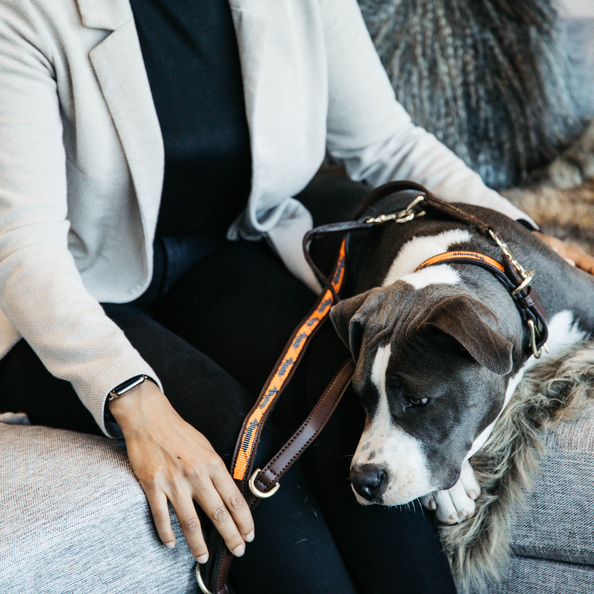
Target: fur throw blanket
{"points": [[551, 392], [487, 77]]}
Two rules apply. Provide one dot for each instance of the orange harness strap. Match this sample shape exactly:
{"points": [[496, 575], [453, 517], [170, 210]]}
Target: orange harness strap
{"points": [[462, 257], [282, 372]]}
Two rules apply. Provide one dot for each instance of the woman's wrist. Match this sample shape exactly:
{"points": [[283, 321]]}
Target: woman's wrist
{"points": [[133, 406]]}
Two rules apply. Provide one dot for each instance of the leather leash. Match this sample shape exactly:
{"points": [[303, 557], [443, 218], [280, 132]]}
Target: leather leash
{"points": [[258, 484], [261, 484]]}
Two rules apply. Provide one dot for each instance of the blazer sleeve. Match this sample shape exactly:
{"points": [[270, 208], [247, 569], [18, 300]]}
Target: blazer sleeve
{"points": [[41, 291], [372, 135]]}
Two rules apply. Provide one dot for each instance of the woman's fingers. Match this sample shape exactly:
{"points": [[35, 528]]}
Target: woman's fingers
{"points": [[158, 504], [190, 525], [172, 460], [580, 258], [233, 500], [210, 501], [572, 254]]}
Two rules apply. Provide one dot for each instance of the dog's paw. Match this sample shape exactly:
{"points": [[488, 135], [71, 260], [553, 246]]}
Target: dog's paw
{"points": [[458, 503]]}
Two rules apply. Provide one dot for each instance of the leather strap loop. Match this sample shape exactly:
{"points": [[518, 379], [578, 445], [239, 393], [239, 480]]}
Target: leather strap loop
{"points": [[309, 430]]}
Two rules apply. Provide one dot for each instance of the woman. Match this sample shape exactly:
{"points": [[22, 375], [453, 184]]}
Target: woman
{"points": [[133, 133]]}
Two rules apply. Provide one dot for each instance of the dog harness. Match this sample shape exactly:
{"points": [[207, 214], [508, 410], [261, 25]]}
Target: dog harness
{"points": [[509, 272], [259, 484]]}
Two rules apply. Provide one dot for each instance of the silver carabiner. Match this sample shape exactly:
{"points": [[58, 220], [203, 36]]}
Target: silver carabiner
{"points": [[402, 216]]}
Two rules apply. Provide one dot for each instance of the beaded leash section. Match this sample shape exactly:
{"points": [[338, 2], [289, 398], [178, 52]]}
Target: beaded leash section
{"points": [[278, 379]]}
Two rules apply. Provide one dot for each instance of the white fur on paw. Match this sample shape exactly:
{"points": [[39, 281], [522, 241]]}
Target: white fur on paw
{"points": [[428, 501], [468, 480], [456, 504]]}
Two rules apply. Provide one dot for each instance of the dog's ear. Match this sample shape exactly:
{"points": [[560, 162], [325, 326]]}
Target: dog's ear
{"points": [[472, 325], [348, 318]]}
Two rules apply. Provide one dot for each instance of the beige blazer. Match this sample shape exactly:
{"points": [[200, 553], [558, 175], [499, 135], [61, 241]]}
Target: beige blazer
{"points": [[81, 160]]}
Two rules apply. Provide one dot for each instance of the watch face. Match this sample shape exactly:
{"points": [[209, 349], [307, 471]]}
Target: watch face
{"points": [[128, 385]]}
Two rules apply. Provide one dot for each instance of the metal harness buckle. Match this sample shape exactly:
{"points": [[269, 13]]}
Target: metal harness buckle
{"points": [[526, 276]]}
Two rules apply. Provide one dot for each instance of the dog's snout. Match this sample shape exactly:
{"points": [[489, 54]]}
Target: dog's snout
{"points": [[369, 480]]}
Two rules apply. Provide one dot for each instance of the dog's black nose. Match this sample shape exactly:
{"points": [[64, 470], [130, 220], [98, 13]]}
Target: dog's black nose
{"points": [[369, 480]]}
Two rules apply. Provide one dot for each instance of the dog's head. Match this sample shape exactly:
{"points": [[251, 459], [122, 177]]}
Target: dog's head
{"points": [[431, 375]]}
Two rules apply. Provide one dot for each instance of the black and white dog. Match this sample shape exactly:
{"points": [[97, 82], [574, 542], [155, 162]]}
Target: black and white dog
{"points": [[440, 351]]}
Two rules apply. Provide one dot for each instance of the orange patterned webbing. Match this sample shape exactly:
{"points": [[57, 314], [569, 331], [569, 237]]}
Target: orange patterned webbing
{"points": [[269, 395], [448, 256]]}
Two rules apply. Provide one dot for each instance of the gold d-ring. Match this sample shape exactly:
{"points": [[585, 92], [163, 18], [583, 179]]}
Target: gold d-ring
{"points": [[200, 581], [536, 352], [529, 276], [256, 491]]}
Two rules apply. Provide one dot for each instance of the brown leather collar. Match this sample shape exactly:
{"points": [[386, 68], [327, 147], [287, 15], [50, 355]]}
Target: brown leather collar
{"points": [[523, 296]]}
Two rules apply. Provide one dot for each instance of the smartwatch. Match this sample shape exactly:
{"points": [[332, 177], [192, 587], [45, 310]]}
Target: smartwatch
{"points": [[128, 385]]}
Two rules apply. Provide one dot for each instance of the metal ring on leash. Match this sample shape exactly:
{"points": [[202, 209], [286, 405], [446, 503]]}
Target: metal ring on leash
{"points": [[536, 352], [256, 491], [200, 581], [529, 276]]}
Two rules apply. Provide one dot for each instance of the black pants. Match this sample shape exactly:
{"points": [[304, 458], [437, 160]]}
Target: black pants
{"points": [[213, 339]]}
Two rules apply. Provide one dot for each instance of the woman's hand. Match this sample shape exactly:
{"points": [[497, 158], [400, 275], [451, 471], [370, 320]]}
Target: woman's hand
{"points": [[574, 255], [172, 461]]}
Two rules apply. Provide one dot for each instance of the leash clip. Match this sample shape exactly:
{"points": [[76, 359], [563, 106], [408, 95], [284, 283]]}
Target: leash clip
{"points": [[525, 275], [528, 276], [402, 216]]}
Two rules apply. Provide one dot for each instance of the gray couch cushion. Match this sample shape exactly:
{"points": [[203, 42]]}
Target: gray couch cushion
{"points": [[558, 523], [538, 576], [579, 43], [74, 519]]}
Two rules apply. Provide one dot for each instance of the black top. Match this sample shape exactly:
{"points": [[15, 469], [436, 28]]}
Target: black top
{"points": [[192, 61]]}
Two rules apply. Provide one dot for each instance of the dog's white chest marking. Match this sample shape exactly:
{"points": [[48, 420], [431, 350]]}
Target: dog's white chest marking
{"points": [[419, 249], [390, 447]]}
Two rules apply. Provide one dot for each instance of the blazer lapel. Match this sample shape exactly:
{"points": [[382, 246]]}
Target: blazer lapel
{"points": [[119, 67], [252, 33]]}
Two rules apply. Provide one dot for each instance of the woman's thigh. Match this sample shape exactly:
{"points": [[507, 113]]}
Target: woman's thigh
{"points": [[203, 393]]}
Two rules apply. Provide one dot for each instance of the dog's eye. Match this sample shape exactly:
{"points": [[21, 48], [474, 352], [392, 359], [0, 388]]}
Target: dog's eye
{"points": [[417, 401]]}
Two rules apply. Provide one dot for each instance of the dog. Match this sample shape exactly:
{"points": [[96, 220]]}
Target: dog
{"points": [[439, 352]]}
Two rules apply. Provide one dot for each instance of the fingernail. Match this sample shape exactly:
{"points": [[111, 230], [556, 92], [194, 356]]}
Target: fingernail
{"points": [[239, 551], [202, 559], [170, 544], [250, 536]]}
